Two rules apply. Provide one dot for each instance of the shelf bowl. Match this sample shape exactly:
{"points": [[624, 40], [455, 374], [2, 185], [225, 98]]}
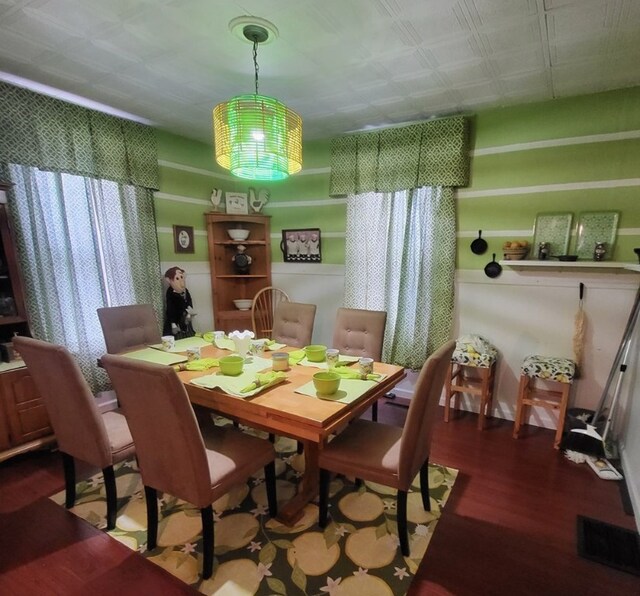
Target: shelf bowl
{"points": [[238, 234], [515, 254], [243, 304]]}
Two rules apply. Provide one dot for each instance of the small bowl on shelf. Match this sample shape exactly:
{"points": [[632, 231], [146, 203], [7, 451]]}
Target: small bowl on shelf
{"points": [[238, 234], [243, 304], [515, 254], [565, 258]]}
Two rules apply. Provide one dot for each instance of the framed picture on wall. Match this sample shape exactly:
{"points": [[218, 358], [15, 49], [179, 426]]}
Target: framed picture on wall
{"points": [[183, 239], [301, 245], [236, 202]]}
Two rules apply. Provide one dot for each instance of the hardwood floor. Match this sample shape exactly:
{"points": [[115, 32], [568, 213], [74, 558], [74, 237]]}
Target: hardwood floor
{"points": [[509, 526]]}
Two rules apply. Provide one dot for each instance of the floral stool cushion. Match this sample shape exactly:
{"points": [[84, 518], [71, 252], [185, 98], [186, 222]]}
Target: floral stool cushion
{"points": [[551, 369], [473, 350]]}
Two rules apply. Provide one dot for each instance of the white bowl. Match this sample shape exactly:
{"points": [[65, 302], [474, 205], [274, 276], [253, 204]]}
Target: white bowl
{"points": [[238, 234], [243, 304]]}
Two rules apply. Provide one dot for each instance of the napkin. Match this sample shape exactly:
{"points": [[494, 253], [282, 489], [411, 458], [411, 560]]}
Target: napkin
{"points": [[264, 380], [273, 346], [296, 356], [208, 336], [202, 364]]}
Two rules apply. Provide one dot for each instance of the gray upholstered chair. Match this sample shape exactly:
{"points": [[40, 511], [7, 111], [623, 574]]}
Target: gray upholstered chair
{"points": [[101, 440], [263, 308], [293, 323], [359, 332], [174, 457], [127, 327], [391, 455]]}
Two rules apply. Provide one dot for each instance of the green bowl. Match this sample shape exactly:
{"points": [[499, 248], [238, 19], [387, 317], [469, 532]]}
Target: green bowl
{"points": [[231, 365], [315, 353], [326, 382]]}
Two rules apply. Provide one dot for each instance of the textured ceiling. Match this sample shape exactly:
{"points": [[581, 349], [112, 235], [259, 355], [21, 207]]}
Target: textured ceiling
{"points": [[343, 65]]}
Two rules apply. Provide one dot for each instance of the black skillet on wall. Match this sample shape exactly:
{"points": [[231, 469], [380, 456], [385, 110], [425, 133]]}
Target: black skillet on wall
{"points": [[479, 245], [493, 269]]}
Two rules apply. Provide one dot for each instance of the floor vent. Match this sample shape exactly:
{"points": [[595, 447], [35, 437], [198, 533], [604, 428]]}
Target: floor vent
{"points": [[610, 545]]}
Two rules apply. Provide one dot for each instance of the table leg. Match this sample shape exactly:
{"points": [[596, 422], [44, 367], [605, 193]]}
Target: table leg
{"points": [[290, 513]]}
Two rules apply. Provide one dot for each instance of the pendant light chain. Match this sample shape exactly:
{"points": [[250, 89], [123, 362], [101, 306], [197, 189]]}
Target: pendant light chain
{"points": [[255, 60]]}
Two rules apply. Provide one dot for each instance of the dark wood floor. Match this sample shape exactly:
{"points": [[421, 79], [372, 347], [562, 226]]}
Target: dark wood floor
{"points": [[509, 527]]}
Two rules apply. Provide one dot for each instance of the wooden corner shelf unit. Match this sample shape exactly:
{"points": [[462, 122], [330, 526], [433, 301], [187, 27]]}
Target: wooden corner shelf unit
{"points": [[24, 424], [226, 284]]}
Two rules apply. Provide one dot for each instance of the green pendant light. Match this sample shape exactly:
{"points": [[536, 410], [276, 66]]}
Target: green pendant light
{"points": [[255, 136]]}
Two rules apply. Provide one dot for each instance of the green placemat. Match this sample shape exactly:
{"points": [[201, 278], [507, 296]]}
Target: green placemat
{"points": [[156, 356], [344, 360], [234, 385], [275, 346], [182, 345], [225, 344], [349, 390]]}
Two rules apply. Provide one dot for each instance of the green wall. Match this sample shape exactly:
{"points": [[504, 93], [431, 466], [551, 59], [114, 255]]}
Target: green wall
{"points": [[568, 155]]}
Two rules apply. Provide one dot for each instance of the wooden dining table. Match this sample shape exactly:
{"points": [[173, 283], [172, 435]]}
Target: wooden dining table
{"points": [[280, 410]]}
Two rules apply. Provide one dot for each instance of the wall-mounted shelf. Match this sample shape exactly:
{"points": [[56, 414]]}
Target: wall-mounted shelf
{"points": [[571, 265]]}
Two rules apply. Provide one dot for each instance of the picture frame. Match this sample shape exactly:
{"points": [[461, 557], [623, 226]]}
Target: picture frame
{"points": [[237, 202], [183, 239], [301, 245]]}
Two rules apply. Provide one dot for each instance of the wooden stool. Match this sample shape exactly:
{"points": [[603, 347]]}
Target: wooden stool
{"points": [[557, 371], [472, 353]]}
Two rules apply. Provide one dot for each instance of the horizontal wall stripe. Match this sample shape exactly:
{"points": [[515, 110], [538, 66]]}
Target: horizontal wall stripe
{"points": [[494, 233], [179, 199], [163, 230], [601, 138], [277, 236], [501, 233], [309, 203], [185, 168], [526, 190]]}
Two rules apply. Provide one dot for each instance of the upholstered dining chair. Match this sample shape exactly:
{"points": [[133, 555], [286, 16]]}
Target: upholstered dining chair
{"points": [[174, 456], [293, 323], [360, 332], [391, 455], [263, 308], [101, 440], [130, 326]]}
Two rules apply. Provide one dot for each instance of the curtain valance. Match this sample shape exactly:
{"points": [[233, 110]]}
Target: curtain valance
{"points": [[432, 153], [50, 134]]}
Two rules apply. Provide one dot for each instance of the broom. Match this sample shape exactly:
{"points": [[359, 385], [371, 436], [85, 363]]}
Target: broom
{"points": [[590, 440]]}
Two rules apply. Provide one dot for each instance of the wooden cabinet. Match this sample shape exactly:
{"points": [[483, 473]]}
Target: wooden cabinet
{"points": [[227, 284], [24, 424]]}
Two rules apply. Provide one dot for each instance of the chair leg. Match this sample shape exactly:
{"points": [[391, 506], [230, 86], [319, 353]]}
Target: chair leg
{"points": [[112, 496], [424, 485], [207, 541], [69, 480], [484, 397], [522, 393], [402, 522], [272, 438], [447, 391], [325, 478], [270, 480], [151, 495], [300, 448], [358, 482], [374, 411], [564, 402]]}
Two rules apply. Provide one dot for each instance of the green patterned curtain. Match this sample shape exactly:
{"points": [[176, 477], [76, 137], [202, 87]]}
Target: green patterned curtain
{"points": [[51, 134], [83, 215], [401, 229], [433, 153], [400, 251]]}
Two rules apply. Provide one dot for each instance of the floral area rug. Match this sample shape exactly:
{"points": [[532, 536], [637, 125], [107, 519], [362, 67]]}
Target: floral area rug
{"points": [[358, 553]]}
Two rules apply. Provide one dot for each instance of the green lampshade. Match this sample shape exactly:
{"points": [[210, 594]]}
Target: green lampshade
{"points": [[257, 137]]}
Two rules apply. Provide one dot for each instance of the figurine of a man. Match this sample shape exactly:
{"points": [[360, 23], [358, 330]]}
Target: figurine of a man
{"points": [[178, 306]]}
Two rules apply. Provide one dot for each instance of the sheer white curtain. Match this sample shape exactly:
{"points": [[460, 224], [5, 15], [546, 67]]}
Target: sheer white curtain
{"points": [[83, 243], [400, 257]]}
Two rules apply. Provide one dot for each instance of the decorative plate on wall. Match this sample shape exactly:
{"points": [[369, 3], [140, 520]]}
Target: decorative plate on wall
{"points": [[596, 226], [554, 228]]}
